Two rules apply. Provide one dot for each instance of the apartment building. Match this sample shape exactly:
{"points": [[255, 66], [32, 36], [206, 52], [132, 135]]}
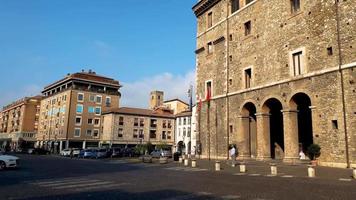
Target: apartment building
{"points": [[186, 132], [176, 105], [131, 126], [275, 77], [71, 110], [19, 123]]}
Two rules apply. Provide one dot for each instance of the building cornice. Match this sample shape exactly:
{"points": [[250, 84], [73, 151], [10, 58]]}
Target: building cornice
{"points": [[203, 5]]}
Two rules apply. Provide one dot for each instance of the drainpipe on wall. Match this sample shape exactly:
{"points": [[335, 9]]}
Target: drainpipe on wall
{"points": [[227, 80], [342, 82]]}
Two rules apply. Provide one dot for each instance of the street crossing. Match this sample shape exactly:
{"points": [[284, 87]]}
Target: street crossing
{"points": [[186, 169], [77, 184]]}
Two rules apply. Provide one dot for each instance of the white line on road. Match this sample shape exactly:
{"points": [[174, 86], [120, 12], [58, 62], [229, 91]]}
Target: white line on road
{"points": [[254, 174], [345, 179], [99, 187], [71, 183], [57, 181], [239, 174], [287, 176], [83, 185]]}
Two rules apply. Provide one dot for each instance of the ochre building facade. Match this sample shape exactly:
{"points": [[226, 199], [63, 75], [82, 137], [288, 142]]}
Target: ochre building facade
{"points": [[19, 123], [280, 75], [71, 111]]}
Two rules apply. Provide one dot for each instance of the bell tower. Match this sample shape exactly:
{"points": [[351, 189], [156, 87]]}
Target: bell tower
{"points": [[156, 99]]}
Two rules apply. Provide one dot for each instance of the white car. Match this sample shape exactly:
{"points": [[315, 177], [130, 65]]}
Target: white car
{"points": [[65, 152], [7, 161]]}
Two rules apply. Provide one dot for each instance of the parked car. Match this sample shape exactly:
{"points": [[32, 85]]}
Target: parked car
{"points": [[161, 153], [76, 152], [100, 153], [7, 161], [39, 151], [116, 152], [87, 153], [65, 152]]}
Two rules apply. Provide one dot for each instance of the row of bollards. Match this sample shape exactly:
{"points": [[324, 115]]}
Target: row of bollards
{"points": [[242, 165]]}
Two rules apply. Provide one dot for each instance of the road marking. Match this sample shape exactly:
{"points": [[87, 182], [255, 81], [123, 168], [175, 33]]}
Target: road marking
{"points": [[83, 185], [287, 176], [271, 175], [71, 183], [100, 187], [204, 193], [254, 174], [186, 169], [345, 179], [231, 197], [56, 181], [239, 174]]}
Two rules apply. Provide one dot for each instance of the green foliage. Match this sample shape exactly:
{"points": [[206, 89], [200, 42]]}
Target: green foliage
{"points": [[313, 151], [163, 146], [149, 147], [142, 148]]}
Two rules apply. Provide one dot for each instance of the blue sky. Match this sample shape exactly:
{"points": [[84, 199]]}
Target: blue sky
{"points": [[144, 44]]}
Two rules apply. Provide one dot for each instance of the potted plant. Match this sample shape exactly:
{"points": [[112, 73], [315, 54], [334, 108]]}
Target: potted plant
{"points": [[313, 153]]}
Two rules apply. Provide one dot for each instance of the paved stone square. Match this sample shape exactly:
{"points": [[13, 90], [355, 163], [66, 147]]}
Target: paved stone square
{"points": [[53, 177]]}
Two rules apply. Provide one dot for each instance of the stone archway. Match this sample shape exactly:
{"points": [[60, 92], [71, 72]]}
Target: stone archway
{"points": [[181, 147], [274, 128], [247, 140], [301, 102]]}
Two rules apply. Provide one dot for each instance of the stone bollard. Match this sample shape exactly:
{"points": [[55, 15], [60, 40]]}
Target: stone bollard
{"points": [[311, 171], [273, 169], [242, 167], [217, 166], [180, 160], [194, 163], [354, 172], [186, 162]]}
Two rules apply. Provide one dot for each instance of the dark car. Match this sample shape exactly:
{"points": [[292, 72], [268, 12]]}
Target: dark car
{"points": [[39, 151], [87, 153], [116, 152]]}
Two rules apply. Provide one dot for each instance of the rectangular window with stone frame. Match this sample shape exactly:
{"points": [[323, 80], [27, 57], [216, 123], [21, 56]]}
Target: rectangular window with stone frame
{"points": [[235, 5], [248, 77], [297, 63], [295, 6], [248, 28], [210, 19]]}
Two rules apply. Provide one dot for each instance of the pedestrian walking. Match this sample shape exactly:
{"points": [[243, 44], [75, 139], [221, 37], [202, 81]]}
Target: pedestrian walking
{"points": [[71, 153], [233, 155]]}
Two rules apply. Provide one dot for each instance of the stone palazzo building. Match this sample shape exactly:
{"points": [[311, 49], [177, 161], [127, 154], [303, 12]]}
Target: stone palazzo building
{"points": [[276, 76], [71, 110]]}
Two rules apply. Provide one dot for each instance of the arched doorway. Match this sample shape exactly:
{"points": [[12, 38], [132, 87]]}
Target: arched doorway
{"points": [[189, 149], [273, 107], [249, 130], [181, 147], [301, 102]]}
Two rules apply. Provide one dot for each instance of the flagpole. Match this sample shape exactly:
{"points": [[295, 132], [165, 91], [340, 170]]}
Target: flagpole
{"points": [[208, 116], [216, 130]]}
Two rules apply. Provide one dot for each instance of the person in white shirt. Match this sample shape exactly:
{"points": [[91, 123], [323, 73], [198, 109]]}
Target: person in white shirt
{"points": [[233, 155]]}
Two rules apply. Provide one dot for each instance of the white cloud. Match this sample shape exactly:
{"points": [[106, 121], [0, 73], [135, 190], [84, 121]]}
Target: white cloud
{"points": [[11, 96], [136, 94]]}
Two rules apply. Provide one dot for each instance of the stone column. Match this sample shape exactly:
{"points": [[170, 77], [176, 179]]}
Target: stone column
{"points": [[263, 136], [67, 144], [60, 145], [84, 144], [243, 138], [291, 146]]}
